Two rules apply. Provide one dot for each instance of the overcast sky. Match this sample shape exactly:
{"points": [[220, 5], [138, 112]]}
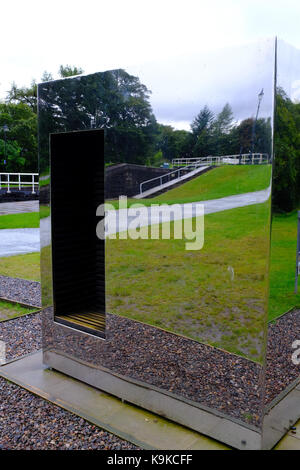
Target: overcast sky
{"points": [[98, 35]]}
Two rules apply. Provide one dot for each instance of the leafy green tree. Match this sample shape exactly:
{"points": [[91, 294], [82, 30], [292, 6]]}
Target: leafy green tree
{"points": [[222, 126], [286, 195], [11, 160], [22, 125], [114, 101], [69, 71], [25, 95], [202, 127], [170, 141]]}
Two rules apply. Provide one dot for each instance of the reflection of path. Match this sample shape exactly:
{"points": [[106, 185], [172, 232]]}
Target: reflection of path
{"points": [[19, 241], [18, 207], [147, 215], [16, 241]]}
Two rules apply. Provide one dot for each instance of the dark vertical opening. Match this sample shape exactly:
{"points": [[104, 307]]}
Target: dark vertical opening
{"points": [[77, 189]]}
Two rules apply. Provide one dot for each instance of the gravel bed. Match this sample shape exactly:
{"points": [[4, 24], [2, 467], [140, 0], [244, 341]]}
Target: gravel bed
{"points": [[281, 371], [20, 290], [186, 368], [22, 335], [209, 376], [28, 422]]}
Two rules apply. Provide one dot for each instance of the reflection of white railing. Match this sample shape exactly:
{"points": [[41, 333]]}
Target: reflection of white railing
{"points": [[18, 180], [242, 159], [171, 175]]}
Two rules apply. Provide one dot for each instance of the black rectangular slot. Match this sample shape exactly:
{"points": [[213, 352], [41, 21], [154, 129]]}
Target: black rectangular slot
{"points": [[78, 263]]}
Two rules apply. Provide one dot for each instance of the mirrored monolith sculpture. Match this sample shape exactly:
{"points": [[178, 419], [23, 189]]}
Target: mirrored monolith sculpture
{"points": [[282, 392], [161, 295]]}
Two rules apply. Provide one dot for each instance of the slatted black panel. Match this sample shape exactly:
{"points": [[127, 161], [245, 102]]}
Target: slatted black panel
{"points": [[77, 188]]}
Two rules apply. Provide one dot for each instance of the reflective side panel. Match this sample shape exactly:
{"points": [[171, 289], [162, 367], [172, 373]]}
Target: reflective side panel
{"points": [[283, 364], [188, 153]]}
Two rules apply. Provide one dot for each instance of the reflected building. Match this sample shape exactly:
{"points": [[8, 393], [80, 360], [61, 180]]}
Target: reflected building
{"points": [[181, 332]]}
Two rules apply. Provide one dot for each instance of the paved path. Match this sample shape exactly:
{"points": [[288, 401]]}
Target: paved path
{"points": [[18, 207], [19, 241], [150, 216]]}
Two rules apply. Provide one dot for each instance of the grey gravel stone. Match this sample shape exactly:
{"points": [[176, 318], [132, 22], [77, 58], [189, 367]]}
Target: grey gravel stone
{"points": [[28, 422]]}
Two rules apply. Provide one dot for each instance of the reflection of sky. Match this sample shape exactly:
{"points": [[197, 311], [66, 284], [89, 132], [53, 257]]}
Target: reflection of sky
{"points": [[182, 86], [288, 70]]}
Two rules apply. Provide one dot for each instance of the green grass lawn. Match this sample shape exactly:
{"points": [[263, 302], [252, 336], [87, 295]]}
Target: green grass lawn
{"points": [[25, 220], [283, 265], [219, 182], [22, 266], [9, 310], [215, 295]]}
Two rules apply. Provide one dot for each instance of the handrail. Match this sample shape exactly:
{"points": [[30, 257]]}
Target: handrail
{"points": [[168, 175], [19, 182], [245, 158]]}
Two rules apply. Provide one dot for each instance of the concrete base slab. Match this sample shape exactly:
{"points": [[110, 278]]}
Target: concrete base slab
{"points": [[176, 408], [281, 417], [145, 429]]}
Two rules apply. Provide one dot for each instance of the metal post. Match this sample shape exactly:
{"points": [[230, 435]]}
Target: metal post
{"points": [[8, 183], [298, 255], [19, 179], [260, 97], [33, 191]]}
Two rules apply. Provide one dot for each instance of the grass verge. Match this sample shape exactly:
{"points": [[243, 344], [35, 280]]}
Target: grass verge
{"points": [[220, 182], [23, 220], [9, 311], [22, 266]]}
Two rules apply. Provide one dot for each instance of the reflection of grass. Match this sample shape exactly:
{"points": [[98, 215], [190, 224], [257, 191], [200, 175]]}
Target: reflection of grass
{"points": [[9, 310], [283, 265], [26, 220], [44, 211], [194, 293], [22, 266], [46, 274], [220, 182], [44, 182]]}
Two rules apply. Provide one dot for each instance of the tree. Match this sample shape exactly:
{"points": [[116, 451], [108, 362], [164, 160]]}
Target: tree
{"points": [[203, 121], [11, 159], [25, 95], [69, 71], [170, 141], [202, 133], [22, 125], [287, 154], [114, 101], [28, 95], [221, 130]]}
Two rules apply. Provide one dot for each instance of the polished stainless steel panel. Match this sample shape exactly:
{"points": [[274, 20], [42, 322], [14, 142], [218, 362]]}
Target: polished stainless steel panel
{"points": [[186, 315], [283, 351]]}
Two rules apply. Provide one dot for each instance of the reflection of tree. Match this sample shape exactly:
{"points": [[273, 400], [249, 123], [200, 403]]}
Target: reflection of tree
{"points": [[119, 103], [286, 195], [216, 135], [114, 101]]}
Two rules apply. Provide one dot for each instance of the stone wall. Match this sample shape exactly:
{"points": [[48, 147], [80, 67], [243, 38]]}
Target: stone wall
{"points": [[124, 179]]}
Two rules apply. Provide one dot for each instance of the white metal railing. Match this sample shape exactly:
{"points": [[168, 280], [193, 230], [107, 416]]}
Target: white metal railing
{"points": [[170, 175], [240, 159], [193, 163], [18, 180]]}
